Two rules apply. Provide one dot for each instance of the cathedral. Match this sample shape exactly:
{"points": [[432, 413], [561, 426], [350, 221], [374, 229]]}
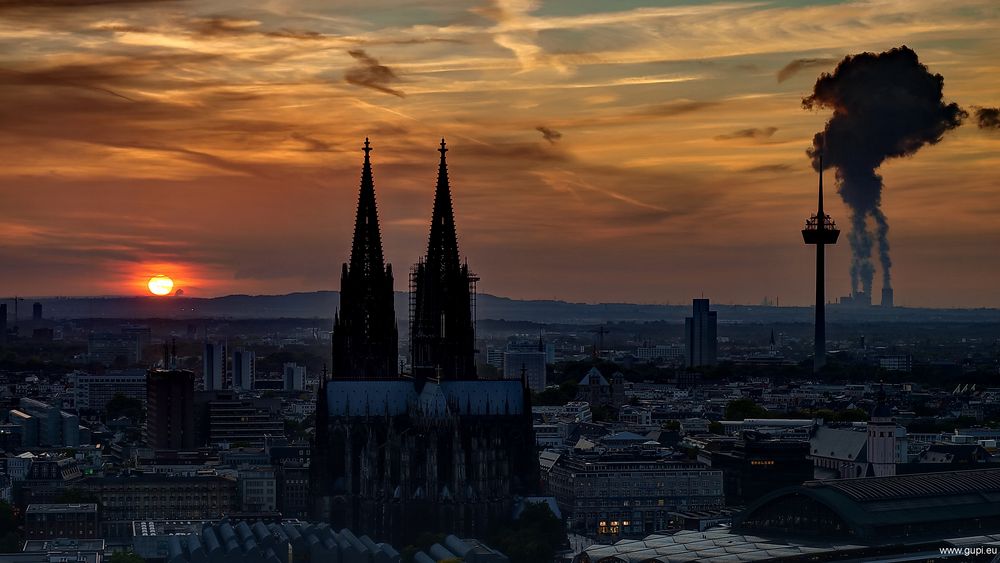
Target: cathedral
{"points": [[396, 455]]}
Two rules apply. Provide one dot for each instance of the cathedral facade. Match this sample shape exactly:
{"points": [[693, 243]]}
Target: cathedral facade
{"points": [[436, 450]]}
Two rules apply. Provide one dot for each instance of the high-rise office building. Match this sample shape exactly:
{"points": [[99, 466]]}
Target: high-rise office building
{"points": [[295, 377], [94, 391], [244, 369], [36, 311], [113, 348], [700, 333], [214, 365], [527, 360], [170, 409]]}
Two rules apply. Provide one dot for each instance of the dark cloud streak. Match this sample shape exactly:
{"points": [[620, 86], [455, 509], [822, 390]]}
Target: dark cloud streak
{"points": [[550, 135], [798, 65], [751, 133], [371, 74]]}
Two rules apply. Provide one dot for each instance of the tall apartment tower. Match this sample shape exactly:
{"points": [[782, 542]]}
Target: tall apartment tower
{"points": [[214, 365], [170, 409], [244, 369], [700, 333]]}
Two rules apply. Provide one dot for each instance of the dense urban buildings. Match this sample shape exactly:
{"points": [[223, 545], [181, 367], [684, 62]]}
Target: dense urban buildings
{"points": [[627, 432], [55, 521]]}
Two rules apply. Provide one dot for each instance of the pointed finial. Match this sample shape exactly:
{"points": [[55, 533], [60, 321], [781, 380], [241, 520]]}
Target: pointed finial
{"points": [[368, 147], [443, 149]]}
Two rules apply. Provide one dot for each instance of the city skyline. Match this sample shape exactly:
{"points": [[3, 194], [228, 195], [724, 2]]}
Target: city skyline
{"points": [[641, 153]]}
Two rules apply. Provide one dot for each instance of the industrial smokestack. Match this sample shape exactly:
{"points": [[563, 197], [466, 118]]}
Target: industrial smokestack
{"points": [[887, 297], [884, 106]]}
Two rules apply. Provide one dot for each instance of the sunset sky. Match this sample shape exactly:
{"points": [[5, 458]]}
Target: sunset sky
{"points": [[600, 150]]}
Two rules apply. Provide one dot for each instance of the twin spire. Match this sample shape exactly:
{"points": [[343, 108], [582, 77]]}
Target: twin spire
{"points": [[366, 251], [365, 337]]}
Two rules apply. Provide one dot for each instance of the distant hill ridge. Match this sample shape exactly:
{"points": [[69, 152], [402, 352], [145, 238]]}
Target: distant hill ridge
{"points": [[322, 304]]}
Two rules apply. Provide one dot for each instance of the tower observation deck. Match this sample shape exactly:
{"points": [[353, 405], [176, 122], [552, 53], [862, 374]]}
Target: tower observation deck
{"points": [[820, 230]]}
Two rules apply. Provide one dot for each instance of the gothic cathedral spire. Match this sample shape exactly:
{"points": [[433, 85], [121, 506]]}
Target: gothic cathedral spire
{"points": [[442, 333], [364, 333]]}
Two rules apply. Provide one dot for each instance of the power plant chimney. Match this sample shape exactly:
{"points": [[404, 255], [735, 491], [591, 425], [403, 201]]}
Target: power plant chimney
{"points": [[887, 297], [821, 231]]}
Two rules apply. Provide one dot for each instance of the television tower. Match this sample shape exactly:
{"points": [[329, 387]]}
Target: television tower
{"points": [[821, 231]]}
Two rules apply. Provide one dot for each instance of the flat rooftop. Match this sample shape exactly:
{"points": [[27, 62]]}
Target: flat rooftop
{"points": [[61, 508]]}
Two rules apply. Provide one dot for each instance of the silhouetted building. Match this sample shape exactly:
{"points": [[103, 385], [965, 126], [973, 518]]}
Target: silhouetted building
{"points": [[244, 369], [700, 331], [3, 323], [124, 500], [170, 409], [214, 366], [882, 510], [527, 360], [887, 299], [757, 464], [50, 521], [398, 457], [114, 349], [896, 362], [365, 340], [626, 494], [293, 489], [856, 299], [294, 377], [45, 425], [94, 391], [442, 334], [595, 389], [222, 417], [36, 312]]}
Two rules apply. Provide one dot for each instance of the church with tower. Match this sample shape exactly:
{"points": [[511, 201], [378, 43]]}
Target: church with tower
{"points": [[396, 455]]}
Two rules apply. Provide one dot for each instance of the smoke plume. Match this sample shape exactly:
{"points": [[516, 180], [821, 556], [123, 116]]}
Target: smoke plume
{"points": [[884, 105], [988, 118]]}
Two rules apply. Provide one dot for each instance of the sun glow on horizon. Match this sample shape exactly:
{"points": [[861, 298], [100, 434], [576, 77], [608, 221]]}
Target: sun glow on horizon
{"points": [[160, 285]]}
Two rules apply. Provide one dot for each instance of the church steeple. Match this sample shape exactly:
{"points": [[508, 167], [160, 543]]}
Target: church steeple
{"points": [[364, 333], [442, 334], [442, 245], [366, 249]]}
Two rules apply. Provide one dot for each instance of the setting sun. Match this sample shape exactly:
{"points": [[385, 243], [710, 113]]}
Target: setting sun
{"points": [[160, 285]]}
